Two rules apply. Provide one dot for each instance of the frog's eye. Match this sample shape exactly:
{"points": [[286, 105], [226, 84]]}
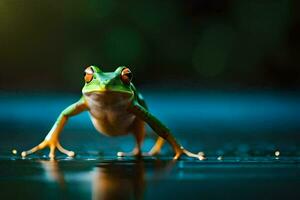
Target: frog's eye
{"points": [[126, 75], [88, 74]]}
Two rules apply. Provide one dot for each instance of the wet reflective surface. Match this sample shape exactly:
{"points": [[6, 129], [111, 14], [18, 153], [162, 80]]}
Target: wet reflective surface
{"points": [[251, 144], [150, 178]]}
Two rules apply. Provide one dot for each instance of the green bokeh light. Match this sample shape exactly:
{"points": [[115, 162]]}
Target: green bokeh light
{"points": [[265, 21], [213, 50], [154, 18], [101, 8], [123, 46]]}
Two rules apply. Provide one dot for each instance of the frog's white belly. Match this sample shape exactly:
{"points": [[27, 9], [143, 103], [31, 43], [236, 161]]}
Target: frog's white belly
{"points": [[108, 112]]}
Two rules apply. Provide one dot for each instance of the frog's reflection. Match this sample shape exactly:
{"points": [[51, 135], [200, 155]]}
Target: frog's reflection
{"points": [[114, 179], [53, 172], [125, 179], [117, 180]]}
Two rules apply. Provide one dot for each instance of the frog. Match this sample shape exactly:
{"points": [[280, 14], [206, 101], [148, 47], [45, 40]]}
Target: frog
{"points": [[116, 108]]}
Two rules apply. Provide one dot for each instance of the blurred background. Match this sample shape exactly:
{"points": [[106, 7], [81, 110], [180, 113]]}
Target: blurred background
{"points": [[228, 67], [235, 44], [223, 75]]}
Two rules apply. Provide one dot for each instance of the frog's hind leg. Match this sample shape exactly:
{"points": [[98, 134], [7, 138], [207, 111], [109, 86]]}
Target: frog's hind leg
{"points": [[138, 130], [157, 147]]}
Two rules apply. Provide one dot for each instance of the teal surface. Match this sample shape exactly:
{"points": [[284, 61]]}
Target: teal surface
{"points": [[152, 178], [238, 132]]}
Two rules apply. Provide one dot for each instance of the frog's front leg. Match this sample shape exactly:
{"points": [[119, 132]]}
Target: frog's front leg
{"points": [[160, 129], [52, 138]]}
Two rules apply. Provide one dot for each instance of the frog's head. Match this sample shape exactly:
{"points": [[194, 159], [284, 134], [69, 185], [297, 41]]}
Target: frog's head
{"points": [[97, 81]]}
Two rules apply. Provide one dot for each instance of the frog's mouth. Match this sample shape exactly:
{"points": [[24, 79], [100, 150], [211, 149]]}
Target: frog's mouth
{"points": [[113, 95], [109, 98], [109, 92]]}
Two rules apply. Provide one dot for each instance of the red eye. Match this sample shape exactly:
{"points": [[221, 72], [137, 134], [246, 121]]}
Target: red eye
{"points": [[88, 74], [126, 75]]}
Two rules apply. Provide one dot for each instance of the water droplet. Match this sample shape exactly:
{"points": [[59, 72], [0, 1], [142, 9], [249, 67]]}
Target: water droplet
{"points": [[14, 151]]}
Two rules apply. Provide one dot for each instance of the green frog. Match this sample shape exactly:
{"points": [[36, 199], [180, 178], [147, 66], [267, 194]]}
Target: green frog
{"points": [[116, 108]]}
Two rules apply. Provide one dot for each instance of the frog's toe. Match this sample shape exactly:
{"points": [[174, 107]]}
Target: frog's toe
{"points": [[51, 156], [23, 154], [124, 154], [200, 155], [135, 152], [71, 154], [65, 151], [40, 146], [121, 154]]}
